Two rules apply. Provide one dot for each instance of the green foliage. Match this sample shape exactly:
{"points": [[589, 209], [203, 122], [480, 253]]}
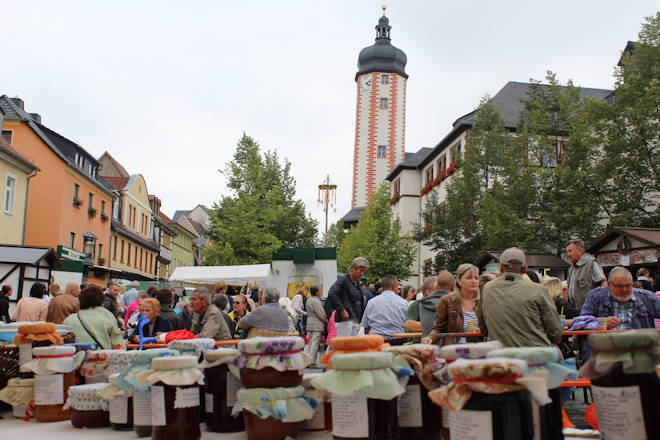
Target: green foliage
{"points": [[262, 214], [336, 234], [377, 237]]}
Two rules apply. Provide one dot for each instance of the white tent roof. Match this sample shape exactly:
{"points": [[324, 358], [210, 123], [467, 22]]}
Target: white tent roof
{"points": [[228, 274]]}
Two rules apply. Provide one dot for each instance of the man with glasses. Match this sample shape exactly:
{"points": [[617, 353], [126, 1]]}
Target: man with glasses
{"points": [[624, 306]]}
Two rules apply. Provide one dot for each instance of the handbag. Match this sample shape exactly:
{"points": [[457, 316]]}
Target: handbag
{"points": [[90, 333]]}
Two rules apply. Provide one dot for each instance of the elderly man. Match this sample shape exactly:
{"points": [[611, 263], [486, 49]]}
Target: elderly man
{"points": [[421, 314], [346, 299], [64, 305], [267, 320], [207, 320], [515, 311], [624, 306], [131, 295], [584, 274], [386, 313]]}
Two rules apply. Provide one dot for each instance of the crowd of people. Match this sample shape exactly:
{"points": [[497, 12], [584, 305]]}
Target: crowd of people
{"points": [[516, 306]]}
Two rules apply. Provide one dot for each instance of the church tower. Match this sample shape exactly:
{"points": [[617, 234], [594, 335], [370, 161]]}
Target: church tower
{"points": [[380, 120]]}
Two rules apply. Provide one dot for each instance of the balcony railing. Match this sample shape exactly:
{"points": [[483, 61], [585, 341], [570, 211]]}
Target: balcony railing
{"points": [[165, 253]]}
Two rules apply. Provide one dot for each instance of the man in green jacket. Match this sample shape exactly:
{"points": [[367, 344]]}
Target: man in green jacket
{"points": [[515, 311], [584, 275]]}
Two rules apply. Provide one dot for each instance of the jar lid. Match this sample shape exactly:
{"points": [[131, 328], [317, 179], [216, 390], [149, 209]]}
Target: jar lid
{"points": [[86, 398], [477, 350], [192, 344], [357, 342], [278, 344], [54, 350], [42, 327], [98, 354], [90, 390], [146, 356], [220, 353], [173, 362], [122, 356], [487, 368], [370, 360], [18, 382], [419, 351]]}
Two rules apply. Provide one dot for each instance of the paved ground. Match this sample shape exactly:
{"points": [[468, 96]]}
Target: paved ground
{"points": [[575, 410]]}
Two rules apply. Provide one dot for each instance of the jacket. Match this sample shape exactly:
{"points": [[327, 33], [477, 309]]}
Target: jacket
{"points": [[646, 306], [161, 325], [62, 306], [449, 319], [110, 304], [570, 312], [583, 282], [427, 310], [176, 322], [4, 308], [345, 294], [99, 326], [210, 325], [316, 318]]}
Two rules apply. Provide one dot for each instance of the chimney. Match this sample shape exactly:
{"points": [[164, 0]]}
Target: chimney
{"points": [[36, 117], [19, 102]]}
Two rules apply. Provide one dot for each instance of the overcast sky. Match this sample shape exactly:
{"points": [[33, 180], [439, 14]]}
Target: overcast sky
{"points": [[168, 87]]}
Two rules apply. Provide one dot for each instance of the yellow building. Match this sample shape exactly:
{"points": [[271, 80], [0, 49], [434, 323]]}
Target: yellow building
{"points": [[16, 170], [164, 234], [183, 250]]}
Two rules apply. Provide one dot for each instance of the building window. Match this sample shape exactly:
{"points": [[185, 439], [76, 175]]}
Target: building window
{"points": [[102, 207], [428, 175], [72, 240], [91, 201], [456, 152], [397, 187], [10, 194], [442, 164], [383, 102], [384, 79], [80, 160], [382, 151], [6, 136], [151, 263], [135, 262], [100, 250], [128, 255], [114, 251], [121, 259], [141, 221], [116, 208], [76, 194]]}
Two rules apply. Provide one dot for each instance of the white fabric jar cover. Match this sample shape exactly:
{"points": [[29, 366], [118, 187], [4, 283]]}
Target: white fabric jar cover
{"points": [[282, 353], [190, 347], [118, 360], [18, 392], [221, 356], [112, 391], [86, 398], [175, 370], [96, 363], [54, 359]]}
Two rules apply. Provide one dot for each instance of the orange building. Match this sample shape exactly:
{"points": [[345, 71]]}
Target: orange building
{"points": [[68, 205]]}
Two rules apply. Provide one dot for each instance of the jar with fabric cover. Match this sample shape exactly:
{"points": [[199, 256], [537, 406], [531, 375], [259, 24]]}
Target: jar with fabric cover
{"points": [[364, 388], [543, 365], [140, 361], [274, 413], [120, 406], [18, 393], [34, 335], [322, 420], [174, 383], [93, 369], [624, 384], [270, 362], [88, 410], [222, 382], [490, 398], [419, 417], [353, 344], [54, 369], [118, 360]]}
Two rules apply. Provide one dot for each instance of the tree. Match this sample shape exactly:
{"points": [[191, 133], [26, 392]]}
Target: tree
{"points": [[262, 214], [629, 132], [336, 234], [377, 237]]}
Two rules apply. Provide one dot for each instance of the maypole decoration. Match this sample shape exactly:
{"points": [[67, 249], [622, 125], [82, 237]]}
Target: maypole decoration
{"points": [[327, 197]]}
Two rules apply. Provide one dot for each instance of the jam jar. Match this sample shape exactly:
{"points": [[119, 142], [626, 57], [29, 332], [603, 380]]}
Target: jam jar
{"points": [[18, 393], [121, 410], [93, 370], [510, 415], [357, 417], [221, 389], [419, 417], [87, 409], [268, 428], [51, 390], [322, 420], [174, 408], [142, 413], [270, 362]]}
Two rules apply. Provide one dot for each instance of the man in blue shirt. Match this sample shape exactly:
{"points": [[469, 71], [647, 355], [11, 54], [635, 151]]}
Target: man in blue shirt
{"points": [[386, 313]]}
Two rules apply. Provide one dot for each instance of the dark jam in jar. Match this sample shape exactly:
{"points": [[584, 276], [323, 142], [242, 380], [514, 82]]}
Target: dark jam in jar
{"points": [[511, 413], [89, 419], [268, 428], [221, 388], [121, 414], [170, 423], [269, 377], [631, 388], [356, 417], [550, 417], [142, 413], [419, 417]]}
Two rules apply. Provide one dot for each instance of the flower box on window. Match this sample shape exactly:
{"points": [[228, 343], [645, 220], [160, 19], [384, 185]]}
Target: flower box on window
{"points": [[91, 212], [103, 217], [395, 198], [77, 203]]}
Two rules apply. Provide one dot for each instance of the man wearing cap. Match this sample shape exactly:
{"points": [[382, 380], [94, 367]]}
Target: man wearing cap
{"points": [[515, 311]]}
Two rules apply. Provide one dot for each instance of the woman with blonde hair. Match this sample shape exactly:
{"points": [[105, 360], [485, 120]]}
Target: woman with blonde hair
{"points": [[457, 312], [150, 307], [287, 305], [554, 287]]}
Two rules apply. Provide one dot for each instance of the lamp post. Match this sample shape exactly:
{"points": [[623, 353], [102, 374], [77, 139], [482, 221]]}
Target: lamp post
{"points": [[327, 198]]}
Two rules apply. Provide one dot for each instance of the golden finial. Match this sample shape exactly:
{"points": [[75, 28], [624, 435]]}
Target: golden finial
{"points": [[384, 9]]}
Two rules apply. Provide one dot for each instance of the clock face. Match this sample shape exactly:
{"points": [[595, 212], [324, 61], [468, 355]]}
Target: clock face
{"points": [[365, 84]]}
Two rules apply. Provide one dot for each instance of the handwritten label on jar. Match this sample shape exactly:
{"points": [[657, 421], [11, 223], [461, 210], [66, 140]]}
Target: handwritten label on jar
{"points": [[233, 385], [142, 408], [471, 425], [410, 407], [49, 390], [119, 410], [619, 412], [24, 355], [186, 397], [158, 406], [208, 400], [350, 416]]}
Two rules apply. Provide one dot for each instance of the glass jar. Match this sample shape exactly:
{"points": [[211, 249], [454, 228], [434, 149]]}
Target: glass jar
{"points": [[52, 390], [121, 410], [18, 393], [142, 413], [508, 416], [221, 388], [322, 420], [269, 377], [419, 418], [93, 370], [271, 362], [174, 408], [550, 418], [87, 409], [269, 428], [355, 417]]}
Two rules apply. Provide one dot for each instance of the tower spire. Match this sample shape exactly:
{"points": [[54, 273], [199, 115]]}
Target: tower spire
{"points": [[383, 27]]}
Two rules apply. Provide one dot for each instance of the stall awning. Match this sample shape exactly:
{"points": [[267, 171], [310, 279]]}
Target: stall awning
{"points": [[229, 274]]}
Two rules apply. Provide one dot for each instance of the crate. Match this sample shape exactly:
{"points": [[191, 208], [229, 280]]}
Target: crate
{"points": [[9, 363]]}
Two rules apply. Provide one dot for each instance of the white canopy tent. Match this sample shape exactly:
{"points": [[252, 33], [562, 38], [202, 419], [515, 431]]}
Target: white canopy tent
{"points": [[236, 275]]}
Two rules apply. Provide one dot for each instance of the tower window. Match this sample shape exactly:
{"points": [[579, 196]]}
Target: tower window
{"points": [[384, 79], [383, 102], [382, 151]]}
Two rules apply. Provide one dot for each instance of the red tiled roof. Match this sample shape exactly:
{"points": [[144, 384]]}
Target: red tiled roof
{"points": [[117, 182], [117, 165], [197, 225]]}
